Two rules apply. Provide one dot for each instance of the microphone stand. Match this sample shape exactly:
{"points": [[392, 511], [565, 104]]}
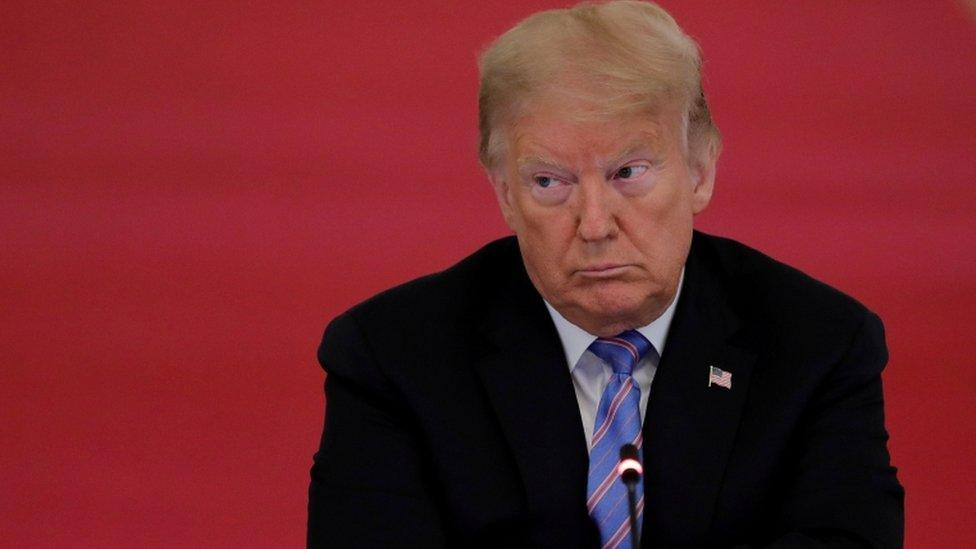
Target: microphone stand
{"points": [[631, 471]]}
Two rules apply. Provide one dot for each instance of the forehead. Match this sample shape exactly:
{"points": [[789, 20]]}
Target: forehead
{"points": [[564, 135]]}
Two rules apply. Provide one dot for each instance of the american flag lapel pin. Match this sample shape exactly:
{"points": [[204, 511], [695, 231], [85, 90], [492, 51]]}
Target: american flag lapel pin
{"points": [[718, 376]]}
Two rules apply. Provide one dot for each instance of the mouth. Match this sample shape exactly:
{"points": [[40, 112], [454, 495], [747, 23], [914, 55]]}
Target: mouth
{"points": [[606, 270]]}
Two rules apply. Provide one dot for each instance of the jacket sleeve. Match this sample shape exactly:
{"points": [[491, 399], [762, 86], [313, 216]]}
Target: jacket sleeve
{"points": [[844, 491], [367, 487]]}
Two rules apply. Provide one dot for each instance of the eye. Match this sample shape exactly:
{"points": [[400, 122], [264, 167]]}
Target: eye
{"points": [[550, 189], [544, 181], [630, 172], [547, 182]]}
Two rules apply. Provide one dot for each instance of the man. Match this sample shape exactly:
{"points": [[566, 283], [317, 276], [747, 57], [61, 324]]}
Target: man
{"points": [[485, 405]]}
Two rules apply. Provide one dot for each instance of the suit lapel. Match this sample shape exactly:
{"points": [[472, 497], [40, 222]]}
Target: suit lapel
{"points": [[528, 382], [690, 426]]}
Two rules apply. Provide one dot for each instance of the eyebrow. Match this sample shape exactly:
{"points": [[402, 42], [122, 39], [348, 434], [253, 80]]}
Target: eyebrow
{"points": [[542, 161], [650, 141], [633, 149], [535, 160]]}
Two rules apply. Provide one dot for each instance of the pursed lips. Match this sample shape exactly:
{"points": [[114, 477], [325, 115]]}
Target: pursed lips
{"points": [[603, 270]]}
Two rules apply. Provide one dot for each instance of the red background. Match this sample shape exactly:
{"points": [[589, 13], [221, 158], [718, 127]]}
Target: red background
{"points": [[189, 193]]}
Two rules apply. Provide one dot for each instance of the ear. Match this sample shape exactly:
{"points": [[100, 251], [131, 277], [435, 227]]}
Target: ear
{"points": [[703, 175], [503, 194]]}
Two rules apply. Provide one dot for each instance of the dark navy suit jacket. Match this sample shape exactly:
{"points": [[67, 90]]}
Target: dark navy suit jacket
{"points": [[451, 418]]}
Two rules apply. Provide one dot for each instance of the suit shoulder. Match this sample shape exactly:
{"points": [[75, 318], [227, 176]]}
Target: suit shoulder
{"points": [[779, 296], [454, 292], [400, 323]]}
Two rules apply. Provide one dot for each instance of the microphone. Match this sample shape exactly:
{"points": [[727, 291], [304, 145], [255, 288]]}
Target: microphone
{"points": [[630, 470]]}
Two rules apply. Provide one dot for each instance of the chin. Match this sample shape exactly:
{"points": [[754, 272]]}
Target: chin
{"points": [[604, 308], [615, 312], [616, 299]]}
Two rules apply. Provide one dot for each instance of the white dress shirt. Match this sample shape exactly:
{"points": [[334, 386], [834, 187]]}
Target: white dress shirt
{"points": [[591, 374]]}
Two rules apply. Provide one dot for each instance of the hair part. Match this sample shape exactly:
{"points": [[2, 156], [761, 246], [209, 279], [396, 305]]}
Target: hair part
{"points": [[621, 57]]}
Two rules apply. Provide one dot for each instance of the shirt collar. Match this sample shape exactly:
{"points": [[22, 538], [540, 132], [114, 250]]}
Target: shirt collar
{"points": [[575, 340]]}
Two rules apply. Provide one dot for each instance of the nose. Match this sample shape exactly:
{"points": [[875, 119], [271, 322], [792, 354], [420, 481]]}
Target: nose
{"points": [[596, 218]]}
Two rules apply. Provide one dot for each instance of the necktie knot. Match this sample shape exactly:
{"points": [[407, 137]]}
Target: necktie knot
{"points": [[622, 351]]}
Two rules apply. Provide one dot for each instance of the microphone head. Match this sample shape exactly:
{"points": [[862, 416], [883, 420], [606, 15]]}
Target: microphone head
{"points": [[629, 468], [628, 451]]}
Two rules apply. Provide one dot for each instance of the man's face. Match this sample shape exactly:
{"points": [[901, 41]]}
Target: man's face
{"points": [[603, 211]]}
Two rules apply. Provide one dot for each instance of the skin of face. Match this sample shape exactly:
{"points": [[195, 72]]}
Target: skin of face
{"points": [[603, 209]]}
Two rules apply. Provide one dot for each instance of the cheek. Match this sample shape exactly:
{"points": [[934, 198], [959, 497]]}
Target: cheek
{"points": [[669, 230], [542, 263], [550, 225], [661, 227], [546, 237]]}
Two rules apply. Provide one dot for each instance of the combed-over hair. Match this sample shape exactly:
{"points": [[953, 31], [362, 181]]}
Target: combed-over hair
{"points": [[621, 57]]}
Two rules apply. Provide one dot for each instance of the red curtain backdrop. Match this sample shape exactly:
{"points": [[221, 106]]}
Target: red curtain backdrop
{"points": [[188, 193]]}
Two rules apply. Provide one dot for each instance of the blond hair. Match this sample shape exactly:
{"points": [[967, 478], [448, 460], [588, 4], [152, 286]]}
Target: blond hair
{"points": [[622, 57]]}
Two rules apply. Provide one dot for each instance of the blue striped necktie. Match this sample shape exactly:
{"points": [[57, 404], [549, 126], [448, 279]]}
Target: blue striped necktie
{"points": [[618, 422]]}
